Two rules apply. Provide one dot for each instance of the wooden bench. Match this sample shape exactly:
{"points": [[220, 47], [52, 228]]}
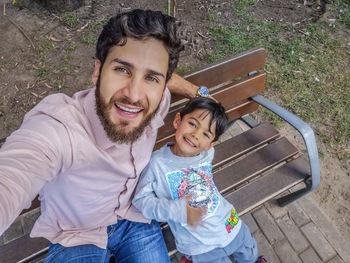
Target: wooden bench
{"points": [[250, 168]]}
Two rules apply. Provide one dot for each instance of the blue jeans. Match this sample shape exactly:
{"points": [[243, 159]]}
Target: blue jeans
{"points": [[128, 242], [243, 249]]}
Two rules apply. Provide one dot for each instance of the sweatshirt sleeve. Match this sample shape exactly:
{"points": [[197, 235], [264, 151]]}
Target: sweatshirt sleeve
{"points": [[155, 206]]}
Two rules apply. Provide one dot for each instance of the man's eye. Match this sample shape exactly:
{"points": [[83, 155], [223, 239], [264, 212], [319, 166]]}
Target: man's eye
{"points": [[123, 70], [153, 79]]}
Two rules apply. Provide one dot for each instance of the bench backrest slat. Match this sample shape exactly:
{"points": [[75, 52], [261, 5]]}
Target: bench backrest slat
{"points": [[229, 68], [233, 93]]}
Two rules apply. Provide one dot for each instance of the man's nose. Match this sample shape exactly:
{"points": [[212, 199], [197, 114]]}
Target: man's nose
{"points": [[134, 90]]}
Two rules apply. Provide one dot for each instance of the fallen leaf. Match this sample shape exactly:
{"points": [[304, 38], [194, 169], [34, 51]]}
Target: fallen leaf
{"points": [[55, 39]]}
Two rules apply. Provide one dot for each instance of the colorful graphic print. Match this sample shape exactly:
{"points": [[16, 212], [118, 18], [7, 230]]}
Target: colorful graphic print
{"points": [[197, 182], [232, 221]]}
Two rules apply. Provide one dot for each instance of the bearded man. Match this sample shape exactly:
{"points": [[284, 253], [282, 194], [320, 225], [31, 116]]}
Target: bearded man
{"points": [[84, 154]]}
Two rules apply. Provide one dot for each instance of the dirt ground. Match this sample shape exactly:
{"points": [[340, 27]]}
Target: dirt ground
{"points": [[43, 53]]}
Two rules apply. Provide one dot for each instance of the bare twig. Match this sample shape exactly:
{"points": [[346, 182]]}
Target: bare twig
{"points": [[83, 27], [175, 4], [306, 34], [4, 10], [169, 7], [42, 93], [201, 35], [52, 38], [47, 85], [22, 31]]}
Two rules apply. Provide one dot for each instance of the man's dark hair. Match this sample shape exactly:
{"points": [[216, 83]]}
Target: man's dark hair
{"points": [[141, 24], [216, 110]]}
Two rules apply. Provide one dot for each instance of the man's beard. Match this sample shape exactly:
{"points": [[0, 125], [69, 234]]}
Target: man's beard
{"points": [[119, 133]]}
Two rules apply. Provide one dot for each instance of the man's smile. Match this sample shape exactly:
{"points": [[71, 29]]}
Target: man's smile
{"points": [[128, 111]]}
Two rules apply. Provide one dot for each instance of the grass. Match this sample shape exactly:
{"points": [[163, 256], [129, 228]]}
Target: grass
{"points": [[89, 39], [182, 70], [71, 46], [3, 63], [211, 17], [308, 68], [342, 8], [46, 46], [70, 19], [96, 25]]}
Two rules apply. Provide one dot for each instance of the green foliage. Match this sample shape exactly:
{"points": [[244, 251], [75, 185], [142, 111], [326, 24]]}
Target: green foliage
{"points": [[71, 46], [211, 17], [308, 69], [96, 25], [46, 46], [242, 5], [89, 39], [71, 19], [343, 9]]}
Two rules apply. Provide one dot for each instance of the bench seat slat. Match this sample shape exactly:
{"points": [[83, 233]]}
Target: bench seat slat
{"points": [[35, 204], [169, 238], [254, 164], [269, 185], [243, 143], [22, 248]]}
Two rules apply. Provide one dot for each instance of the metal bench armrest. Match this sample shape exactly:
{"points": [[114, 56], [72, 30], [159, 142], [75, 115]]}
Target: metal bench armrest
{"points": [[310, 143]]}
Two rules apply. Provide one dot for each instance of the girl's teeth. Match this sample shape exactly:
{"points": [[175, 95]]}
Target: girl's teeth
{"points": [[190, 142]]}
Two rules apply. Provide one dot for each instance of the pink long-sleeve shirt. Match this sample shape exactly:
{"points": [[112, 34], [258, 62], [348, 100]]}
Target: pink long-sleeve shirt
{"points": [[85, 182]]}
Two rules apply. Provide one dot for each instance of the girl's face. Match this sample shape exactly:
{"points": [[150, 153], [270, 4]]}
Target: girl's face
{"points": [[193, 133]]}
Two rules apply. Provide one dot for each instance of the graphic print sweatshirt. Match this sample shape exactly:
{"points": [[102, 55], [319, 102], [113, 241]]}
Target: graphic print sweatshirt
{"points": [[161, 192]]}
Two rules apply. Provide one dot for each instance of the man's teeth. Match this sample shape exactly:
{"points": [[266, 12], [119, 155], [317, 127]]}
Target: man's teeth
{"points": [[128, 109]]}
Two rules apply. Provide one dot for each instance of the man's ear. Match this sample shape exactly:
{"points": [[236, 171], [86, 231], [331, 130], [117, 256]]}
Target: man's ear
{"points": [[96, 72], [177, 120]]}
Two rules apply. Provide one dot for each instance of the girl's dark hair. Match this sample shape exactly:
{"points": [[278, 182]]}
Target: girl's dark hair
{"points": [[216, 110], [141, 24]]}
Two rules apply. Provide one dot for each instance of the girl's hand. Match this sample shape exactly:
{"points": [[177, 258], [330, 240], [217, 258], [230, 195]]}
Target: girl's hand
{"points": [[194, 214]]}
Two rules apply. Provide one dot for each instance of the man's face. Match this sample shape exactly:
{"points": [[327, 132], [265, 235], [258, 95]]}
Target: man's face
{"points": [[130, 87]]}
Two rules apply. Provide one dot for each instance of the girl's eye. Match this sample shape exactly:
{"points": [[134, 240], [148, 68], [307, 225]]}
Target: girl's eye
{"points": [[192, 124], [207, 135]]}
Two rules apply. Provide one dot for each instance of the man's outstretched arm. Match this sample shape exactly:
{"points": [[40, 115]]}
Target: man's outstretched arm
{"points": [[30, 157], [178, 85]]}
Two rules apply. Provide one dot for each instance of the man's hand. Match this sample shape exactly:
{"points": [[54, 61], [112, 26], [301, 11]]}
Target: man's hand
{"points": [[194, 214]]}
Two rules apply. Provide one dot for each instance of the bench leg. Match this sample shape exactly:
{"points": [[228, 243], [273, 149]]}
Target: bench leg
{"points": [[287, 199]]}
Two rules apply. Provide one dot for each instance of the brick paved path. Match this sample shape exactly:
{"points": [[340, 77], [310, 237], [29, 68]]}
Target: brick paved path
{"points": [[299, 232]]}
